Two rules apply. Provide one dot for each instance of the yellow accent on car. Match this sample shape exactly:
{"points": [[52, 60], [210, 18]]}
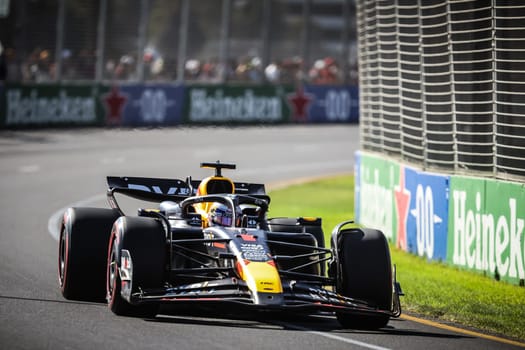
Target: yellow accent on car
{"points": [[261, 277]]}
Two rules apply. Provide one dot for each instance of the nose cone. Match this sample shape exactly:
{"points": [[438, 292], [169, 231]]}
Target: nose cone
{"points": [[263, 280]]}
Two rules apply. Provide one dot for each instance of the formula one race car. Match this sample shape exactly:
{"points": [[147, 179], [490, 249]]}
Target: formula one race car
{"points": [[210, 242]]}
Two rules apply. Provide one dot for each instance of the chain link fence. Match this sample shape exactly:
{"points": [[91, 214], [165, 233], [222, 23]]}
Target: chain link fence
{"points": [[256, 41], [442, 84]]}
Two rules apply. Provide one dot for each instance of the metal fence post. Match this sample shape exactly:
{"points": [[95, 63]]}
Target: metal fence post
{"points": [[183, 39], [305, 37], [141, 40], [60, 39], [494, 94], [101, 29], [225, 38], [266, 32], [345, 41]]}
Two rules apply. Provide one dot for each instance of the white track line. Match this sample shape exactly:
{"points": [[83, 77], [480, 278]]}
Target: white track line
{"points": [[334, 337]]}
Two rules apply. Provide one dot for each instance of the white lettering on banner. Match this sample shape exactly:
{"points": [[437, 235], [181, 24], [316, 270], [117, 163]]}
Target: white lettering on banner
{"points": [[425, 226], [42, 110], [154, 105], [376, 204], [426, 219], [227, 108], [483, 243], [337, 105]]}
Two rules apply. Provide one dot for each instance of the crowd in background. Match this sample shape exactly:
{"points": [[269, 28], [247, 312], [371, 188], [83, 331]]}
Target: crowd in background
{"points": [[40, 66]]}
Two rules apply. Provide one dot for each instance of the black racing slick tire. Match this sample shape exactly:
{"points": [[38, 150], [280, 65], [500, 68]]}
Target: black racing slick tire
{"points": [[301, 225], [145, 241], [365, 274], [83, 244]]}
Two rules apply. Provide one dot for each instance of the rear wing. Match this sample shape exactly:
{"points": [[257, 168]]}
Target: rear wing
{"points": [[169, 187], [158, 189]]}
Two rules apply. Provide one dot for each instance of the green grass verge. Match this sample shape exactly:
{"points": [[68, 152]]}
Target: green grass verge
{"points": [[432, 289]]}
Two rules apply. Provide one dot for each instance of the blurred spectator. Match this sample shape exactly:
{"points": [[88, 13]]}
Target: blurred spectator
{"points": [[291, 70], [85, 63], [38, 67], [154, 65], [211, 71], [272, 73], [12, 66], [125, 68], [192, 69], [45, 67], [109, 69], [68, 67], [249, 70], [325, 71]]}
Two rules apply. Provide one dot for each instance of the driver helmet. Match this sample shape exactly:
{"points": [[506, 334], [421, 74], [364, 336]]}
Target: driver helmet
{"points": [[220, 214]]}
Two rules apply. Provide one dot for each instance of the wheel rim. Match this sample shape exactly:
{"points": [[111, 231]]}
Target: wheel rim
{"points": [[62, 257], [112, 271]]}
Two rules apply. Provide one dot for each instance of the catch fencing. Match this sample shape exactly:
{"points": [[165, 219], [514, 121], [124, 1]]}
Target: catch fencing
{"points": [[442, 84]]}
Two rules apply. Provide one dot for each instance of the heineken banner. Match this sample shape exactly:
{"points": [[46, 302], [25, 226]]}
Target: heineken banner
{"points": [[142, 105], [49, 104], [271, 104], [487, 227], [473, 223], [374, 196], [236, 104], [33, 105]]}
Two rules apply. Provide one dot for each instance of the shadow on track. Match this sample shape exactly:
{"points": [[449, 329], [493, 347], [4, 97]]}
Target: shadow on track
{"points": [[7, 297], [259, 320], [284, 321]]}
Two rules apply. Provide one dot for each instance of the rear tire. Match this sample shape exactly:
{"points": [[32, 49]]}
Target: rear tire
{"points": [[83, 242], [294, 225], [145, 240], [365, 274], [300, 225]]}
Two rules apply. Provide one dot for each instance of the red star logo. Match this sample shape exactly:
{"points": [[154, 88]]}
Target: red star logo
{"points": [[114, 102], [402, 197], [299, 101]]}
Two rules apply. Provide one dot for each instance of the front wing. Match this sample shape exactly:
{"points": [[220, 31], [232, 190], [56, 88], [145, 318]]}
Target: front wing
{"points": [[296, 297]]}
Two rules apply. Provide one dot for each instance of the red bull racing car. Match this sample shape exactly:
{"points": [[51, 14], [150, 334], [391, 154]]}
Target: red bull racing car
{"points": [[210, 242]]}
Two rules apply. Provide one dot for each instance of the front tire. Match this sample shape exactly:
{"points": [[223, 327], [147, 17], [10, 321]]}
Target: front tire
{"points": [[365, 273], [145, 240], [83, 241]]}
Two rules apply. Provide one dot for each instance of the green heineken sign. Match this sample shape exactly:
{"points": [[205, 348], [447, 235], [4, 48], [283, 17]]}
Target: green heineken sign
{"points": [[237, 104], [45, 104], [487, 227], [378, 178]]}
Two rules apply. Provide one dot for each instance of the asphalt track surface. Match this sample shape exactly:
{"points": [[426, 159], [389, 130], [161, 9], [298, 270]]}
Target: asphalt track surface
{"points": [[42, 172]]}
